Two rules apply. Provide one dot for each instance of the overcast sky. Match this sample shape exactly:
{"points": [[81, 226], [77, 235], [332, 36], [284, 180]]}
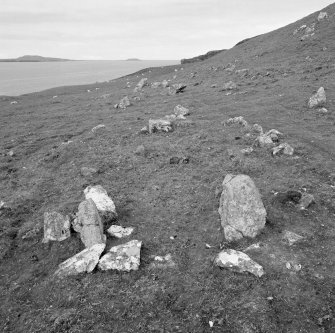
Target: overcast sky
{"points": [[146, 29]]}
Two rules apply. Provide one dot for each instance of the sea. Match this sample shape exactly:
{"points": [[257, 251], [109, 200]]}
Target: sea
{"points": [[17, 78]]}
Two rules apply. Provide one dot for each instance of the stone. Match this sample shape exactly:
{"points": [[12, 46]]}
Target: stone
{"points": [[229, 86], [165, 83], [119, 232], [103, 202], [323, 110], [160, 125], [291, 237], [238, 261], [289, 196], [171, 117], [142, 83], [140, 150], [125, 257], [306, 200], [156, 85], [162, 262], [180, 110], [317, 99], [237, 120], [144, 130], [123, 103], [101, 126], [322, 16], [257, 128], [241, 208], [88, 224], [284, 148], [56, 227], [88, 172], [247, 151], [84, 261], [264, 141], [175, 160]]}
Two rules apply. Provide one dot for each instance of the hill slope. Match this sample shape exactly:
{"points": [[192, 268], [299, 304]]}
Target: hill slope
{"points": [[46, 139]]}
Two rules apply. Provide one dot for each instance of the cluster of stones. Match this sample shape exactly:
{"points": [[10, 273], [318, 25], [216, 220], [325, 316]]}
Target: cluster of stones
{"points": [[88, 224], [309, 31]]}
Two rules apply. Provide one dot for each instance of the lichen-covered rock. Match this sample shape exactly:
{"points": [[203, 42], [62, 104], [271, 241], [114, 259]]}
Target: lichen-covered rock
{"points": [[56, 227], [124, 103], [119, 232], [284, 148], [264, 141], [160, 125], [241, 208], [143, 82], [125, 257], [238, 261], [322, 16], [318, 99], [88, 224], [237, 120], [84, 261], [104, 203], [180, 110]]}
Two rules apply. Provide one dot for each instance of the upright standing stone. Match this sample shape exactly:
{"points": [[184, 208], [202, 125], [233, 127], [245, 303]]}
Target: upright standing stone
{"points": [[56, 227], [318, 99], [88, 224], [241, 208]]}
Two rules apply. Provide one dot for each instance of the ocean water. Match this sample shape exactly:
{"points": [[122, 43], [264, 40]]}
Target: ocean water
{"points": [[17, 78]]}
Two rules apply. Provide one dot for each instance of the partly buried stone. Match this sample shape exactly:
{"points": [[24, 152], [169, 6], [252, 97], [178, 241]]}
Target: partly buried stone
{"points": [[238, 262], [237, 120], [165, 83], [241, 208], [119, 232], [322, 16], [125, 257], [124, 102], [306, 200], [318, 99], [284, 148], [143, 82], [88, 224], [180, 110], [229, 86], [160, 125], [56, 227], [156, 85], [160, 262], [103, 202], [88, 172], [264, 141], [84, 261], [291, 237]]}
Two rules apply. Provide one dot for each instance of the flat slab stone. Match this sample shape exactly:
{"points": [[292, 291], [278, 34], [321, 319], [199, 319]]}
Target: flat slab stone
{"points": [[238, 261], [84, 261], [125, 257], [291, 237], [56, 227]]}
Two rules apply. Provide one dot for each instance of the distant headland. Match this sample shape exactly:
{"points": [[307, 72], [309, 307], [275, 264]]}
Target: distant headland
{"points": [[33, 58], [133, 59]]}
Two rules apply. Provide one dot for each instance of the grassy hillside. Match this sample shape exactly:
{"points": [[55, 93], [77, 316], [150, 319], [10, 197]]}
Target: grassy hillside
{"points": [[46, 140]]}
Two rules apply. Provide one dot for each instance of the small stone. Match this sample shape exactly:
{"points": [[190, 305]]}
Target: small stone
{"points": [[306, 200], [101, 126], [162, 262], [160, 125], [317, 99], [155, 85], [119, 232], [323, 110], [125, 257], [253, 247], [103, 202], [284, 148], [13, 102], [56, 227], [124, 103], [175, 160], [264, 141], [88, 224], [84, 261], [229, 86], [322, 16], [144, 130], [213, 85], [291, 237], [238, 261], [142, 83], [247, 151], [181, 110], [165, 83], [140, 150], [257, 128], [11, 153], [88, 172]]}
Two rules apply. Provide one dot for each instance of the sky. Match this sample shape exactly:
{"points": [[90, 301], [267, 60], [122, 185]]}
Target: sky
{"points": [[145, 29]]}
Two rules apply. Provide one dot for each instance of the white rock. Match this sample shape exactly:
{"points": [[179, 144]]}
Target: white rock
{"points": [[125, 257], [13, 102], [56, 227], [104, 203], [239, 262], [285, 148], [264, 141], [84, 261], [119, 232], [257, 128], [88, 224], [94, 129], [160, 125], [241, 208], [322, 16], [237, 120], [124, 103], [180, 110], [291, 237], [247, 150], [317, 99], [229, 86], [165, 83], [162, 262]]}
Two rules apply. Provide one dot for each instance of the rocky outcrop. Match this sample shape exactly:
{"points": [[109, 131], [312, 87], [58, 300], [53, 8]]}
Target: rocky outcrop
{"points": [[125, 257], [238, 261], [103, 202], [241, 208], [88, 224], [160, 125], [56, 227], [84, 261]]}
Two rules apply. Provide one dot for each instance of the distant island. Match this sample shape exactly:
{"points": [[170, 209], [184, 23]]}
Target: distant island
{"points": [[133, 59], [33, 58]]}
